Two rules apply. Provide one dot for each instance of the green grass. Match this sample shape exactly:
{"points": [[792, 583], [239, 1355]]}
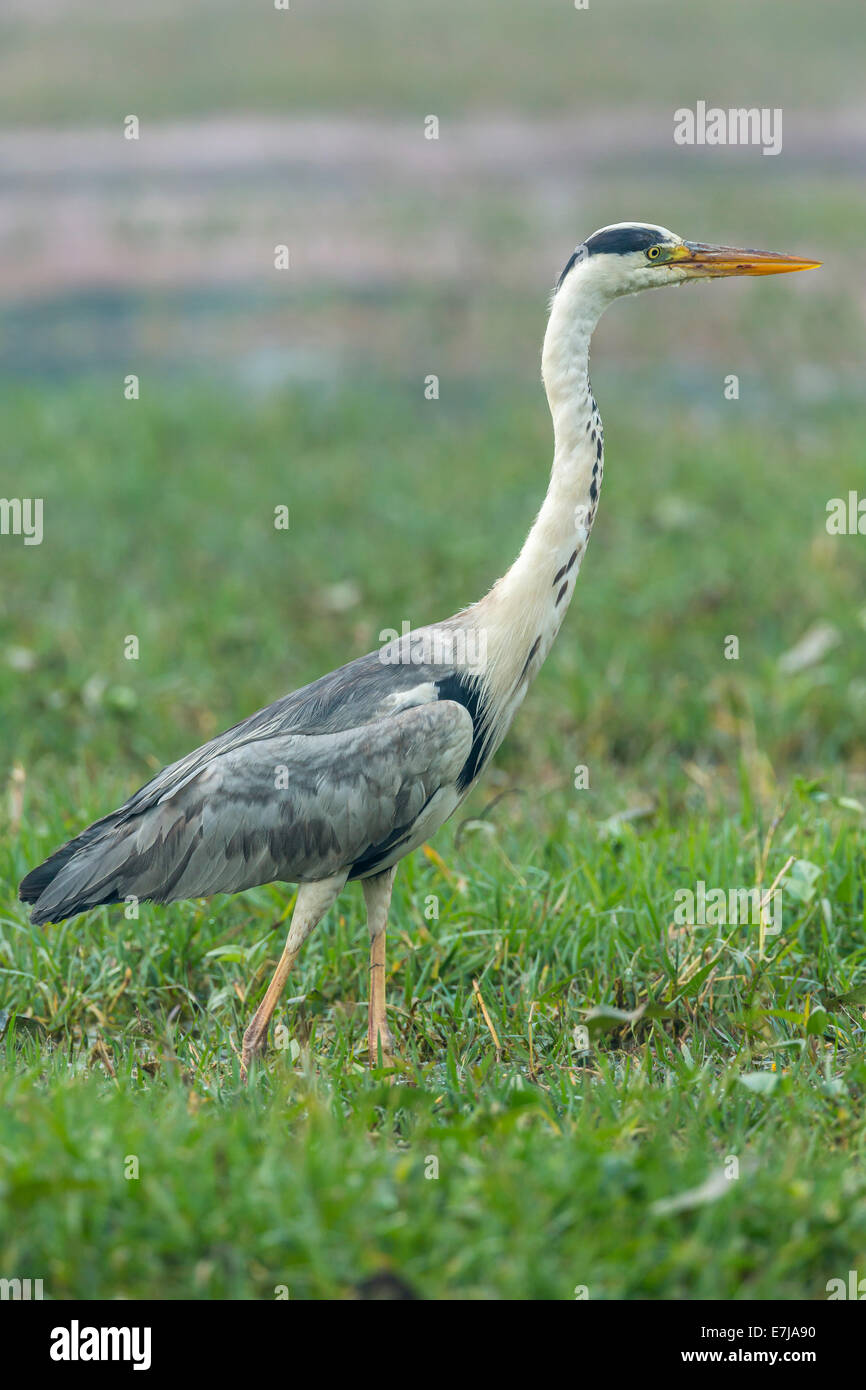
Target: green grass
{"points": [[555, 1163]]}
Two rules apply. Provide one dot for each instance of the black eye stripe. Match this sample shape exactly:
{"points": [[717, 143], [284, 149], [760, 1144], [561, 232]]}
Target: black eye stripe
{"points": [[618, 241], [575, 258]]}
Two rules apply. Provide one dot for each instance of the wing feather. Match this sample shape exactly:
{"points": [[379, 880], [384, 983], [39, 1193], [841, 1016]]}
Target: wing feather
{"points": [[273, 805]]}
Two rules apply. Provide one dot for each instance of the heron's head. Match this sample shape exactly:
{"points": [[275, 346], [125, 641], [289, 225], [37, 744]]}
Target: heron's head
{"points": [[631, 256]]}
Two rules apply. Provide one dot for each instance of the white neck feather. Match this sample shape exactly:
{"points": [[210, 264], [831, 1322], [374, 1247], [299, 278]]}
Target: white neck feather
{"points": [[522, 613]]}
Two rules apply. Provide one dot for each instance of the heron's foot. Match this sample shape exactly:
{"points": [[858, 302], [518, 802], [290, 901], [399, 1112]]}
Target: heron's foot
{"points": [[253, 1045], [379, 1033], [256, 1036]]}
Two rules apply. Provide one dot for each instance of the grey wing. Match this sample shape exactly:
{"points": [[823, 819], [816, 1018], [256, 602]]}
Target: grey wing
{"points": [[359, 693], [282, 806]]}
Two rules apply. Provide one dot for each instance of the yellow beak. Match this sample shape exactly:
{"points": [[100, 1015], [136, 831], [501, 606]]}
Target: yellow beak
{"points": [[700, 260]]}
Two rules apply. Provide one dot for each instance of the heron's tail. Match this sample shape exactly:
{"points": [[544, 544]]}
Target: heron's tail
{"points": [[80, 875]]}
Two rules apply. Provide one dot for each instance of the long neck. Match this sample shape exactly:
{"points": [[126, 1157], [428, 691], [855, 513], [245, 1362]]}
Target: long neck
{"points": [[524, 610]]}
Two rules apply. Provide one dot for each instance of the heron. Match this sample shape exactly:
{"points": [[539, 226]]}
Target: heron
{"points": [[342, 779]]}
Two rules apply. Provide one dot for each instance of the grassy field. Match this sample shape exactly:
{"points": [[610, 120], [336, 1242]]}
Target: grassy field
{"points": [[557, 1167], [594, 1098]]}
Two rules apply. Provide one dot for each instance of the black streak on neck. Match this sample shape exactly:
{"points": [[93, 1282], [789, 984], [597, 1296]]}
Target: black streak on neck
{"points": [[466, 692]]}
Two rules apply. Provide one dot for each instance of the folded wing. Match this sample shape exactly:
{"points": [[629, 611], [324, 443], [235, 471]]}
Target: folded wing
{"points": [[263, 804]]}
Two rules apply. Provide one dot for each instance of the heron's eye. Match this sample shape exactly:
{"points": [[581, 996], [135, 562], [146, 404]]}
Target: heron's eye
{"points": [[653, 253]]}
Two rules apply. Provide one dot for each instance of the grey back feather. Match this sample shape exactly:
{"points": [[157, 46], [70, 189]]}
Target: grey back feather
{"points": [[332, 777]]}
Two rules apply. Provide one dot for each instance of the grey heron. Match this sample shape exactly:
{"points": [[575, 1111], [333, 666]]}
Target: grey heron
{"points": [[343, 778]]}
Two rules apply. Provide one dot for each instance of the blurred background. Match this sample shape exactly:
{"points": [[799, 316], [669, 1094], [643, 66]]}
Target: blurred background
{"points": [[305, 388], [411, 256]]}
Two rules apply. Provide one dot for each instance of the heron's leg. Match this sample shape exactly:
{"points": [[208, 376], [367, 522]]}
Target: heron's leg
{"points": [[377, 895], [312, 903]]}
